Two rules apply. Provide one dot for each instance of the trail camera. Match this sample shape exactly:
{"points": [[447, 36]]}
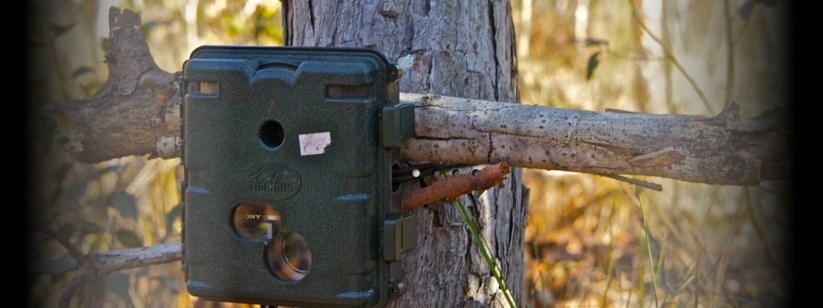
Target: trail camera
{"points": [[288, 193]]}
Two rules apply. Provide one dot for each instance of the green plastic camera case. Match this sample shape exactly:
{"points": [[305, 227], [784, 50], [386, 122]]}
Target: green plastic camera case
{"points": [[288, 197]]}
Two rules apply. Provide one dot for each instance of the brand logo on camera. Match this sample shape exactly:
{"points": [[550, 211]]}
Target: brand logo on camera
{"points": [[274, 180]]}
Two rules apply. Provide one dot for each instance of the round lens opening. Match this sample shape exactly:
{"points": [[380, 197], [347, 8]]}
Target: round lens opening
{"points": [[256, 221], [289, 257], [271, 134]]}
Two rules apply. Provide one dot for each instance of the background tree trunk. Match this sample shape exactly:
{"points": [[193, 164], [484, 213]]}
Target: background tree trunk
{"points": [[457, 48]]}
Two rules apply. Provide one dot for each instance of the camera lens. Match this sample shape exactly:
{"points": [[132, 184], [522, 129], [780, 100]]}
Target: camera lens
{"points": [[289, 257], [256, 221]]}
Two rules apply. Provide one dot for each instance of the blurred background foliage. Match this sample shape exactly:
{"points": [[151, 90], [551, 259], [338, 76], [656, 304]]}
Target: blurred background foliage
{"points": [[590, 241]]}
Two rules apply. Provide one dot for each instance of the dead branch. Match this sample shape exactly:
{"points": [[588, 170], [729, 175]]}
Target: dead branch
{"points": [[454, 186], [137, 110], [100, 264], [136, 113], [103, 263], [635, 182], [724, 149]]}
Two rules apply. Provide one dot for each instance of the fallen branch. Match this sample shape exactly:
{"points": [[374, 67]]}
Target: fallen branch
{"points": [[100, 264], [103, 263], [137, 113], [455, 186]]}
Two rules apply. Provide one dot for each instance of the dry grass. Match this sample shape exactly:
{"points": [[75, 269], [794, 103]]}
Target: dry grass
{"points": [[590, 244], [593, 241]]}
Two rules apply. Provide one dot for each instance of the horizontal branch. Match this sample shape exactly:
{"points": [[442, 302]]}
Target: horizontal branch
{"points": [[137, 113], [104, 263], [100, 264], [725, 149]]}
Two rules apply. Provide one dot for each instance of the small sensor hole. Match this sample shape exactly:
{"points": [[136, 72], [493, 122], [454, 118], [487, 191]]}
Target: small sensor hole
{"points": [[271, 134]]}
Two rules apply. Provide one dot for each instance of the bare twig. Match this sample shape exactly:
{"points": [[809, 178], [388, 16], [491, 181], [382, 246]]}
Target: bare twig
{"points": [[53, 266], [61, 238], [636, 182], [104, 263], [454, 186], [70, 290], [668, 53], [729, 52], [725, 149]]}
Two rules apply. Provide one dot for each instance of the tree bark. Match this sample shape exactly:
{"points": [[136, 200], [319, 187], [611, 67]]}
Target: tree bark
{"points": [[136, 111], [460, 50], [103, 263], [723, 149], [457, 48]]}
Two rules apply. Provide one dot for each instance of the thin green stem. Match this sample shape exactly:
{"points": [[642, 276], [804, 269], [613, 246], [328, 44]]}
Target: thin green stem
{"points": [[484, 250], [495, 271], [648, 249], [609, 265]]}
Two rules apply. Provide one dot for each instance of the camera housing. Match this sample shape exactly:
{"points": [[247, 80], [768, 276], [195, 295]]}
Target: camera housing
{"points": [[288, 194]]}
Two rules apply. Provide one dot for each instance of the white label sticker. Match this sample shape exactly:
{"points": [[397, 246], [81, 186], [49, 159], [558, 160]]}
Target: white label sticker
{"points": [[313, 144]]}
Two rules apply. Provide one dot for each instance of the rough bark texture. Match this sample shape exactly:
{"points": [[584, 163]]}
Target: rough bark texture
{"points": [[92, 267], [136, 111], [457, 48], [724, 149]]}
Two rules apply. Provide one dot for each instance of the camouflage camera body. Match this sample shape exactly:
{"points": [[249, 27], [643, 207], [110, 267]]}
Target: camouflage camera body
{"points": [[288, 195]]}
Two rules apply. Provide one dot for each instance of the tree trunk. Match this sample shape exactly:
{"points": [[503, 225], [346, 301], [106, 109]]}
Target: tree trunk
{"points": [[457, 48], [464, 52]]}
